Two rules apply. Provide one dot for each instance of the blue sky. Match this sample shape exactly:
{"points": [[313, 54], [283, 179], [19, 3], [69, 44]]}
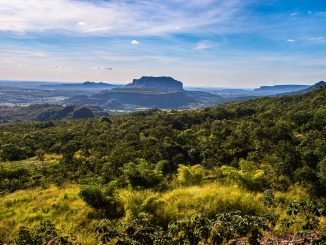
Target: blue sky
{"points": [[221, 43]]}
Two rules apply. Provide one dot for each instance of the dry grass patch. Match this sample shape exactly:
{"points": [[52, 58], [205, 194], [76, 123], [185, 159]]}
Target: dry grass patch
{"points": [[60, 205]]}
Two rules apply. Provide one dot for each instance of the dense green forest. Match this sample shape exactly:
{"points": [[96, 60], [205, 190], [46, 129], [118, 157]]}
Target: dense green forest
{"points": [[257, 145]]}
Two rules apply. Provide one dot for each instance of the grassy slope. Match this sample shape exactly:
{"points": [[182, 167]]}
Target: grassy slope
{"points": [[60, 205], [69, 213]]}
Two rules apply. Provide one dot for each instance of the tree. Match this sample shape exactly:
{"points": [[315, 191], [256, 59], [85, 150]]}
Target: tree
{"points": [[68, 151], [141, 173], [102, 198], [40, 155]]}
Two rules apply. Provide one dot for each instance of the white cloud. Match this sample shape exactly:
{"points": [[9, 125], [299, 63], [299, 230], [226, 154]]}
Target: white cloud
{"points": [[315, 38], [105, 67], [6, 61], [309, 12], [134, 42], [27, 53], [205, 44], [162, 58], [118, 17], [294, 14], [120, 58], [24, 65], [55, 68], [291, 40], [177, 27]]}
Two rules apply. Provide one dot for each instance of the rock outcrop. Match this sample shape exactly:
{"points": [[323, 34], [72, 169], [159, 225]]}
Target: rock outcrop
{"points": [[156, 82]]}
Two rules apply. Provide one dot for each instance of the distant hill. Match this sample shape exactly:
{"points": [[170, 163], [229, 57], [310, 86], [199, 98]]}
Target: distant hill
{"points": [[81, 86], [148, 97], [303, 91], [279, 89], [202, 95], [46, 112], [143, 96], [22, 97], [156, 82]]}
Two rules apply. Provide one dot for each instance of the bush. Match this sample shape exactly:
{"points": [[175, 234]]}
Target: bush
{"points": [[190, 175], [248, 177], [44, 233], [102, 198], [137, 203], [143, 174]]}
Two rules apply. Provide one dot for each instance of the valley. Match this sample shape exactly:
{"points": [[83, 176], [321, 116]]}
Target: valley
{"points": [[167, 164]]}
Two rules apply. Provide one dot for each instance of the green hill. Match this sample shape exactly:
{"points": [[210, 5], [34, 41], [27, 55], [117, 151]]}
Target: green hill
{"points": [[46, 112], [303, 91], [168, 164]]}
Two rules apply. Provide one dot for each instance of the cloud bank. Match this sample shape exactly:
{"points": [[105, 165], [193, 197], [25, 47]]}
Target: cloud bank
{"points": [[106, 68], [114, 17]]}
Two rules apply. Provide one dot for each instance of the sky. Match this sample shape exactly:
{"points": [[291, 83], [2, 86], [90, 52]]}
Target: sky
{"points": [[216, 43]]}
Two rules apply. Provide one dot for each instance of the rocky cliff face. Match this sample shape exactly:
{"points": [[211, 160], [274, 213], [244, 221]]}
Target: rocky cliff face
{"points": [[156, 82]]}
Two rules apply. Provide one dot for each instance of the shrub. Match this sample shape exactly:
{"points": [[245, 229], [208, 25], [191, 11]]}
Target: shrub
{"points": [[137, 203], [102, 198], [143, 174], [44, 233], [138, 231], [309, 221], [248, 177], [190, 175]]}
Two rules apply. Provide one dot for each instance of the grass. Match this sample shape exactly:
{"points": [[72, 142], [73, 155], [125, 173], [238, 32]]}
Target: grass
{"points": [[207, 200], [62, 206], [31, 163], [69, 213]]}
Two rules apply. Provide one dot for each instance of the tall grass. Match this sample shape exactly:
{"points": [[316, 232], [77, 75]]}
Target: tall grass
{"points": [[62, 206], [69, 213]]}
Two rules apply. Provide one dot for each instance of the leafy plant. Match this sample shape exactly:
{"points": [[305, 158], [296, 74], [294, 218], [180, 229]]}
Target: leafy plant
{"points": [[102, 198], [43, 234], [310, 214], [143, 174], [269, 198], [190, 175], [138, 231]]}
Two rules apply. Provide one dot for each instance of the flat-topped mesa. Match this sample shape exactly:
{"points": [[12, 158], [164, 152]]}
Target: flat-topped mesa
{"points": [[156, 82]]}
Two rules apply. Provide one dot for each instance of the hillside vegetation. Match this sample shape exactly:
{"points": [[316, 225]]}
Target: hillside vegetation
{"points": [[49, 112], [167, 164]]}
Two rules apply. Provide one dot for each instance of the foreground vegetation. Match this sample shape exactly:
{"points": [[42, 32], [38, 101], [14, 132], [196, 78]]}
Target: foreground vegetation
{"points": [[170, 165], [71, 215]]}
